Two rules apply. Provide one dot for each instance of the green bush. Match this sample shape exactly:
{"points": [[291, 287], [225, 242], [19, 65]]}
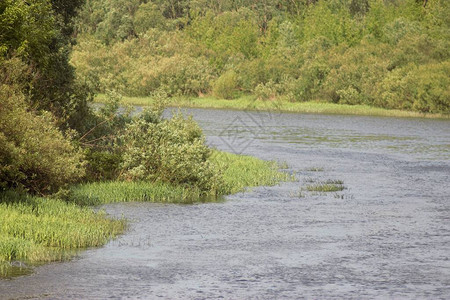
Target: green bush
{"points": [[267, 91], [226, 85], [423, 88], [354, 72], [172, 151], [102, 165], [34, 155]]}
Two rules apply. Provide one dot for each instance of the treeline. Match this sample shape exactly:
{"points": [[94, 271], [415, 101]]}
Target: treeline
{"points": [[384, 53], [51, 138]]}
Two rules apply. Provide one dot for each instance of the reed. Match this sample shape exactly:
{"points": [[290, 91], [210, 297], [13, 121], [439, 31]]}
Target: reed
{"points": [[238, 172], [326, 186], [34, 229]]}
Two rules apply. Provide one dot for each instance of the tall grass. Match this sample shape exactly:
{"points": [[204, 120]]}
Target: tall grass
{"points": [[313, 107], [34, 229], [126, 191], [242, 171], [238, 172]]}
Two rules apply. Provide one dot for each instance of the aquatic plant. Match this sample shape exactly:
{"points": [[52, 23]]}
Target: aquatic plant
{"points": [[237, 172], [326, 186], [34, 229]]}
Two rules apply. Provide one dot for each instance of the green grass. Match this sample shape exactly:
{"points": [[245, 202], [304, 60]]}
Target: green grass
{"points": [[315, 169], [326, 186], [238, 172], [241, 171], [249, 103], [127, 191], [34, 229]]}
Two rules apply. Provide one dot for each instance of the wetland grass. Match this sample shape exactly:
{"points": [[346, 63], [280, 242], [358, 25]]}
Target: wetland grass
{"points": [[34, 229], [238, 172], [242, 171], [326, 186]]}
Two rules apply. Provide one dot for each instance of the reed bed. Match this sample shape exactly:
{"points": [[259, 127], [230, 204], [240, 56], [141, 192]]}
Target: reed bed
{"points": [[238, 172], [326, 186], [242, 171], [34, 229]]}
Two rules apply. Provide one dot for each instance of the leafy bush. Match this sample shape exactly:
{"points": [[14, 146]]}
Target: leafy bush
{"points": [[423, 88], [102, 165], [225, 86], [354, 72], [336, 50], [34, 155], [172, 151], [267, 91]]}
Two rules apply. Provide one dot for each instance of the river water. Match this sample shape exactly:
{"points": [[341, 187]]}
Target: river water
{"points": [[387, 235]]}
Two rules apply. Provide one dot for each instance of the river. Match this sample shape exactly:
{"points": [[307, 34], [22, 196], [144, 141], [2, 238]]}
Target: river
{"points": [[387, 235]]}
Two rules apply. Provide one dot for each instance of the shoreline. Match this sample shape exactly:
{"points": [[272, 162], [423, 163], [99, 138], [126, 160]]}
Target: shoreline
{"points": [[63, 227], [249, 103]]}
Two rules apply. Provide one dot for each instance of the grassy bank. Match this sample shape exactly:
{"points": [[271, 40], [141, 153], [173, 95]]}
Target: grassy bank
{"points": [[238, 172], [36, 230], [249, 103]]}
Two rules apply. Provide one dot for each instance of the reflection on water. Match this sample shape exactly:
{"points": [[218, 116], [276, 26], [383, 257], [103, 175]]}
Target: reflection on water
{"points": [[387, 235]]}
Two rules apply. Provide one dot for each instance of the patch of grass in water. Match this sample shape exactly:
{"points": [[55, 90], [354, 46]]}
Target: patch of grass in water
{"points": [[242, 171], [326, 186], [97, 193], [36, 230], [315, 169]]}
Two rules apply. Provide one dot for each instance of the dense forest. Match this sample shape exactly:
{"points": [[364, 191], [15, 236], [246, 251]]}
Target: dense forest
{"points": [[384, 53]]}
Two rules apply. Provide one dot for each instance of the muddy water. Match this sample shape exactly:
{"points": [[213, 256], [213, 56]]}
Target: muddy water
{"points": [[387, 235]]}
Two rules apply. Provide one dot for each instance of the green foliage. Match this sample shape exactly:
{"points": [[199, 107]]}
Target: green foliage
{"points": [[38, 229], [241, 171], [34, 155], [225, 86], [172, 151], [140, 67], [332, 20], [266, 91], [97, 193], [423, 88], [38, 32], [102, 165], [237, 173], [336, 51]]}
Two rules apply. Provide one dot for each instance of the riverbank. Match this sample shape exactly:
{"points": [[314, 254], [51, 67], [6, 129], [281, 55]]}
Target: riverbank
{"points": [[38, 230], [250, 103], [238, 173]]}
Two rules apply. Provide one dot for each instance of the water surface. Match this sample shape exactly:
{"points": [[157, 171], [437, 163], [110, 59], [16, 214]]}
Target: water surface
{"points": [[387, 235]]}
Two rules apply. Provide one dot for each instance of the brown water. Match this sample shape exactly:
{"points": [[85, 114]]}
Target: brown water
{"points": [[387, 235]]}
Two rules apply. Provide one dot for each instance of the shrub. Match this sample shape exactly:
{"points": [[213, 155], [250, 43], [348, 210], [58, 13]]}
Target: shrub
{"points": [[423, 88], [102, 165], [225, 86], [265, 91], [34, 155], [172, 151]]}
